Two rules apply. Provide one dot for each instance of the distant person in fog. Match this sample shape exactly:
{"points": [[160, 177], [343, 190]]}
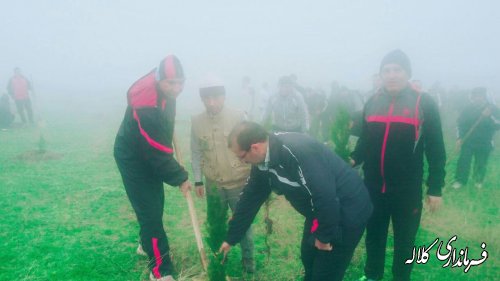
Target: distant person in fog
{"points": [[249, 97], [287, 110], [476, 126], [19, 88]]}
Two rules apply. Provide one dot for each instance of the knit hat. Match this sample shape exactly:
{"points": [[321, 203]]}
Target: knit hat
{"points": [[211, 85], [170, 68], [398, 57]]}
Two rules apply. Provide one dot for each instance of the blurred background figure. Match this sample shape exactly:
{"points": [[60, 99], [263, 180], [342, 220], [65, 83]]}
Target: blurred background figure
{"points": [[417, 85], [296, 85], [19, 88], [264, 96], [438, 93], [248, 96], [376, 83], [476, 125], [286, 110], [328, 116], [6, 115], [316, 105]]}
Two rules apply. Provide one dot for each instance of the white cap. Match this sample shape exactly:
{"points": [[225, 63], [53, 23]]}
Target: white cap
{"points": [[210, 80]]}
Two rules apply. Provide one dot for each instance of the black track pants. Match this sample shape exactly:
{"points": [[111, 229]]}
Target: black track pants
{"points": [[328, 265], [22, 105], [146, 195], [480, 155], [404, 209]]}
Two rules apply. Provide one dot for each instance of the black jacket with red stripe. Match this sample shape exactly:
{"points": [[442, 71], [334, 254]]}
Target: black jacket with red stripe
{"points": [[144, 140], [396, 131], [316, 182]]}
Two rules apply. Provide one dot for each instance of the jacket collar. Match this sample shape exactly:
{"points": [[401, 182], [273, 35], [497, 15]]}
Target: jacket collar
{"points": [[273, 148], [405, 91], [265, 165]]}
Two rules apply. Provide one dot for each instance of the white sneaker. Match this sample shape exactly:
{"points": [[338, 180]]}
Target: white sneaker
{"points": [[456, 185], [140, 251], [164, 278]]}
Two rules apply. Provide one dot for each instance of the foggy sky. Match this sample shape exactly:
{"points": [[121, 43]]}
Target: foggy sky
{"points": [[96, 48]]}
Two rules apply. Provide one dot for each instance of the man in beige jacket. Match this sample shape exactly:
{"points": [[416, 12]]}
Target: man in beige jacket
{"points": [[211, 157]]}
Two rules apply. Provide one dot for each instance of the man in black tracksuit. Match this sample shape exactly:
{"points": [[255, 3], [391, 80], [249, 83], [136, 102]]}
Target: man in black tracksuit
{"points": [[318, 184], [144, 155], [399, 125]]}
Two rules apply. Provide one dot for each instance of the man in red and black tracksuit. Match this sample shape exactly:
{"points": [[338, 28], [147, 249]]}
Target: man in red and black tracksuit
{"points": [[144, 155], [399, 125], [317, 183]]}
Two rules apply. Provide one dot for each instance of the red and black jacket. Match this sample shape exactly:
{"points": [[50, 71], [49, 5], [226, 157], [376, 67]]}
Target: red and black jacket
{"points": [[396, 130], [144, 140]]}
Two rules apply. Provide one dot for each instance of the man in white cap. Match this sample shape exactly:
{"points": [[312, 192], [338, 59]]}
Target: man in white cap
{"points": [[224, 174]]}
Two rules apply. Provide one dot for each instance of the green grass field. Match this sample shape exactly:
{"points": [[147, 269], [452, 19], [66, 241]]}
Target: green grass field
{"points": [[68, 218]]}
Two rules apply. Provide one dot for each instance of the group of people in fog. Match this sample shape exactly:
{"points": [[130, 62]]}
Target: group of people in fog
{"points": [[19, 89], [244, 155]]}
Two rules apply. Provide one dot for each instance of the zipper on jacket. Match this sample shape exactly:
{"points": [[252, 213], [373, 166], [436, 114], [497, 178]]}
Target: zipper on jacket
{"points": [[384, 144]]}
